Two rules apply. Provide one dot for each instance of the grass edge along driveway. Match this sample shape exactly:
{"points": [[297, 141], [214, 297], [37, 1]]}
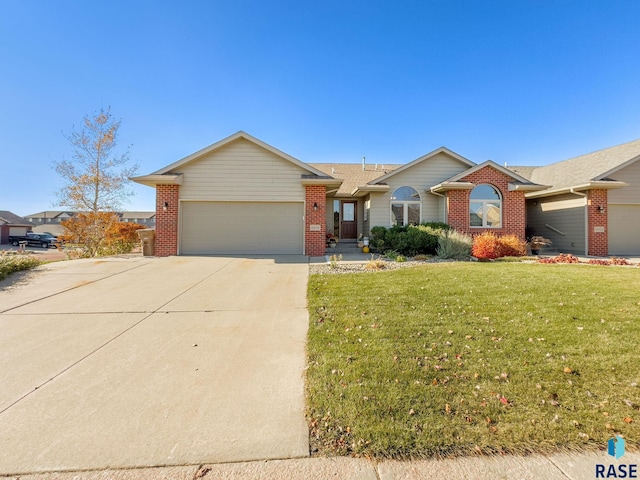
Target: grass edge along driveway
{"points": [[461, 358]]}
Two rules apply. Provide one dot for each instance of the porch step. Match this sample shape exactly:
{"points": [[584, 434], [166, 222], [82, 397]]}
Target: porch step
{"points": [[343, 247]]}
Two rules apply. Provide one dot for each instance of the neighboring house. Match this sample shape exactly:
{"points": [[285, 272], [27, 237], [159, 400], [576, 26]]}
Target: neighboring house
{"points": [[242, 196], [50, 217], [12, 224], [148, 219], [50, 221], [592, 204]]}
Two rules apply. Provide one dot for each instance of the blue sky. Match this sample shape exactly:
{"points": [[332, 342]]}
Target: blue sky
{"points": [[523, 82]]}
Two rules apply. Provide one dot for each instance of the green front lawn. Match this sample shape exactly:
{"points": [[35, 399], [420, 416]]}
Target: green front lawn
{"points": [[460, 358]]}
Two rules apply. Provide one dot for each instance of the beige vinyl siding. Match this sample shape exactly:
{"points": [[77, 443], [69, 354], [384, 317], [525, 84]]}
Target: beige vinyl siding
{"points": [[421, 177], [630, 194], [366, 224], [242, 171], [565, 213]]}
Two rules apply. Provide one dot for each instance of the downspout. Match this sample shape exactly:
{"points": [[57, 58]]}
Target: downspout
{"points": [[586, 219], [444, 204]]}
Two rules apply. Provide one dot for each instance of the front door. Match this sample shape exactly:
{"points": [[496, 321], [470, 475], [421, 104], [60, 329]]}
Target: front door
{"points": [[348, 223]]}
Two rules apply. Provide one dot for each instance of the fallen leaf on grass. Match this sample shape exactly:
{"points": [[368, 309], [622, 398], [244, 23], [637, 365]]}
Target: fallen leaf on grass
{"points": [[627, 420]]}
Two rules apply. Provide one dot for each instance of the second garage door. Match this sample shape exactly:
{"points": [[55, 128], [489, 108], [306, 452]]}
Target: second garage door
{"points": [[210, 228], [624, 229]]}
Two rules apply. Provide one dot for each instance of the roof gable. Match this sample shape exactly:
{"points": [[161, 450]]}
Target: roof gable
{"points": [[492, 164], [232, 138], [424, 158]]}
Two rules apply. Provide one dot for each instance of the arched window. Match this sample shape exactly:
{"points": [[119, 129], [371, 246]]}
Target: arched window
{"points": [[406, 206], [485, 207]]}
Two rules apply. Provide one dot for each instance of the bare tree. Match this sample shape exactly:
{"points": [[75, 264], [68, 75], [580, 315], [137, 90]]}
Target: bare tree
{"points": [[96, 179]]}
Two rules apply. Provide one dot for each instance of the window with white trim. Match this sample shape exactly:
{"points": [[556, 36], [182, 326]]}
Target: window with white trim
{"points": [[406, 206], [485, 207]]}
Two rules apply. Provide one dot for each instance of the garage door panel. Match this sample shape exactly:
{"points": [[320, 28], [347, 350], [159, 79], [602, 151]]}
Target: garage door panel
{"points": [[624, 229], [241, 228]]}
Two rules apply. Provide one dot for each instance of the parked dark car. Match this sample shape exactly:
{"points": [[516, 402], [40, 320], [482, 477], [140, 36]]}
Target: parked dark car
{"points": [[44, 240]]}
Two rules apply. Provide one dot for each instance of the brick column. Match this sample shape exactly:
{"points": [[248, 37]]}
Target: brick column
{"points": [[166, 242], [458, 210], [597, 223], [315, 240]]}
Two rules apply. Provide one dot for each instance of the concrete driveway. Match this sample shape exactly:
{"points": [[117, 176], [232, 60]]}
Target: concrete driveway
{"points": [[131, 362]]}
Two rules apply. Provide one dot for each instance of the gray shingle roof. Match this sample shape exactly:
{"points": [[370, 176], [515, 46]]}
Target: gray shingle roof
{"points": [[9, 218], [352, 174], [583, 169]]}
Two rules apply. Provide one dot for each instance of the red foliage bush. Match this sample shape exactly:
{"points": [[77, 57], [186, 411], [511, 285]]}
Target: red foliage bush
{"points": [[512, 246], [488, 245]]}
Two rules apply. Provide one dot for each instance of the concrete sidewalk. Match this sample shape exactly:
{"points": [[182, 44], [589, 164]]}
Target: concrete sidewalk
{"points": [[533, 467]]}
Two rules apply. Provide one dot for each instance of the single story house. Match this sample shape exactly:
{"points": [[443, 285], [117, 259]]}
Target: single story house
{"points": [[243, 196], [12, 224]]}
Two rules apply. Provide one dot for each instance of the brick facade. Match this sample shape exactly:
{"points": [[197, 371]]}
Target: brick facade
{"points": [[513, 204], [598, 236], [166, 242], [315, 241]]}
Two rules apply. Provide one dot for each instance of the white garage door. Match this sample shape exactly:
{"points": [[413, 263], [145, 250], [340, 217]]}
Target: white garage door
{"points": [[17, 231], [210, 228], [624, 229]]}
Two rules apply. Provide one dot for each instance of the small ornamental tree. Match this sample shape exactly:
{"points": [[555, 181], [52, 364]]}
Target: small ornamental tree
{"points": [[122, 237], [100, 233], [88, 231], [95, 181]]}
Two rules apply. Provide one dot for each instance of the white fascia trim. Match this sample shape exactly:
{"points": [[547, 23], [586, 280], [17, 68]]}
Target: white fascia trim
{"points": [[602, 185]]}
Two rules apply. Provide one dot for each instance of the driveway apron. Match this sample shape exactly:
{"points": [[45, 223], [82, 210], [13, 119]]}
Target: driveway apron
{"points": [[153, 361]]}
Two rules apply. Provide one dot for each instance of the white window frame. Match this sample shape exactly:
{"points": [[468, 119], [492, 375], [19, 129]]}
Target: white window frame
{"points": [[485, 206], [405, 206]]}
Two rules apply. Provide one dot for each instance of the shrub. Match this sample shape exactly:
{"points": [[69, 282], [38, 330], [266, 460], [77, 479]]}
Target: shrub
{"points": [[334, 260], [512, 246], [421, 257], [410, 240], [100, 233], [437, 226], [401, 258], [486, 246], [454, 245], [375, 264], [377, 238], [15, 263], [391, 254]]}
